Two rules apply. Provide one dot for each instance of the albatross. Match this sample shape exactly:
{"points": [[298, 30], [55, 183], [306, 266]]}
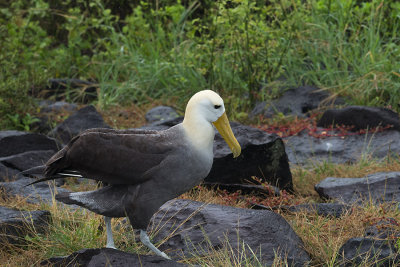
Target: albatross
{"points": [[142, 169]]}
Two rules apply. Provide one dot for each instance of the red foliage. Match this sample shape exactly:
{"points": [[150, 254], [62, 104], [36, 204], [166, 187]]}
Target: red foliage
{"points": [[309, 125]]}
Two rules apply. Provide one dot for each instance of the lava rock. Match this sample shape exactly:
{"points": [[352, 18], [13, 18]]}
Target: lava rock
{"points": [[386, 228], [15, 225], [162, 125], [83, 119], [56, 106], [378, 187], [188, 227], [360, 117], [295, 101], [322, 209], [40, 192], [109, 257], [7, 174], [14, 142], [360, 251], [263, 155], [161, 114], [303, 148], [85, 91], [27, 160]]}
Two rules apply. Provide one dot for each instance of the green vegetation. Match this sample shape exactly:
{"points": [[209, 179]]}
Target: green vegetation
{"points": [[139, 52]]}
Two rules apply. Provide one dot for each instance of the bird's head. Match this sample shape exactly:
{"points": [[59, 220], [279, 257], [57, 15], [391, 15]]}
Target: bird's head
{"points": [[209, 106]]}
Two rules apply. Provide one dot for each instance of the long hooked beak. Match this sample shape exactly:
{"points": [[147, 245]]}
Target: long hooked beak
{"points": [[224, 128]]}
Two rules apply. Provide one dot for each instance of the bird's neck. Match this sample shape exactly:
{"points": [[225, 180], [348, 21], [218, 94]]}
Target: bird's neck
{"points": [[199, 131]]}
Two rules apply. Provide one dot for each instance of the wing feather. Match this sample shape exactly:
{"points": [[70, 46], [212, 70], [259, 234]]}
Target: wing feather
{"points": [[113, 156]]}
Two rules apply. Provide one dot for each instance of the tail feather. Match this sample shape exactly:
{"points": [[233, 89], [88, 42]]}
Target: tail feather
{"points": [[35, 170], [46, 179]]}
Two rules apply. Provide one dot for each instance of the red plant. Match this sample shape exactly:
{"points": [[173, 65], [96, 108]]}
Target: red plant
{"points": [[309, 125]]}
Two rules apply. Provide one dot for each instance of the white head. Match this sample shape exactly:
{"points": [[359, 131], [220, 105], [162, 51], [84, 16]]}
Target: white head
{"points": [[204, 109], [207, 104]]}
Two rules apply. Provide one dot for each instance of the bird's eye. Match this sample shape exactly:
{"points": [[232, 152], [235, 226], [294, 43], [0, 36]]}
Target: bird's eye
{"points": [[217, 106]]}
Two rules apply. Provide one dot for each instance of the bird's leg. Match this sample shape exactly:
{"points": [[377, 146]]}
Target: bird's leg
{"points": [[110, 239], [146, 241]]}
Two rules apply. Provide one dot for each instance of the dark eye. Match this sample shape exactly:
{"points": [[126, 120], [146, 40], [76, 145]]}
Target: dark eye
{"points": [[217, 106]]}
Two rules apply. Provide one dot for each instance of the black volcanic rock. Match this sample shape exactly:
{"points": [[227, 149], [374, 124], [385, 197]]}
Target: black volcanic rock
{"points": [[160, 114], [83, 119], [296, 101], [56, 106], [40, 192], [109, 257], [361, 251], [322, 209], [7, 173], [195, 227], [378, 187], [27, 160], [360, 117], [15, 225], [14, 142], [303, 148], [263, 155]]}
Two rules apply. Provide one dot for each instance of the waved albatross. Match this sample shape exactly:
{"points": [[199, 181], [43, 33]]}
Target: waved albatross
{"points": [[143, 169]]}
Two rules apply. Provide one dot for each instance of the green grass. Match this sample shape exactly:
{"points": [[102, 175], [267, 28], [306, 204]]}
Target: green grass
{"points": [[173, 50]]}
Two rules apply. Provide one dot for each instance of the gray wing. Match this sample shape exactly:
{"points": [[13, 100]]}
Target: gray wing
{"points": [[112, 156]]}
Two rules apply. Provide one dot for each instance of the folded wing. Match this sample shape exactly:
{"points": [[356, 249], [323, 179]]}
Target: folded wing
{"points": [[112, 156]]}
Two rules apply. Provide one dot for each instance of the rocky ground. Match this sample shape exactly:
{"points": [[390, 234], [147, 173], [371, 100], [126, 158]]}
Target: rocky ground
{"points": [[374, 132]]}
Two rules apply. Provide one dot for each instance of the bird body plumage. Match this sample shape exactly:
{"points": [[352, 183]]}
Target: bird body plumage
{"points": [[143, 169]]}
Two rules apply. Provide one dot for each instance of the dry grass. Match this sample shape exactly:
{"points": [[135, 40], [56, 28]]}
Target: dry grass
{"points": [[322, 236], [305, 177]]}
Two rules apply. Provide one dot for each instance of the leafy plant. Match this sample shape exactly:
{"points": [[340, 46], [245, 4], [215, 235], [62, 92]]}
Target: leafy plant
{"points": [[22, 122]]}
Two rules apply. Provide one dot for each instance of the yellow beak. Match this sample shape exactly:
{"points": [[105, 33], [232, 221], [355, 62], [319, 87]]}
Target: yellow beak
{"points": [[224, 128]]}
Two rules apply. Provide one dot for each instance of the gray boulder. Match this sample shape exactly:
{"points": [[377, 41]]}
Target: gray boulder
{"points": [[295, 101], [109, 257], [40, 192], [322, 209], [26, 160], [161, 114], [15, 225], [303, 148], [162, 125], [378, 187], [56, 106], [14, 142], [83, 119], [360, 117], [7, 174], [386, 228], [187, 227], [361, 251]]}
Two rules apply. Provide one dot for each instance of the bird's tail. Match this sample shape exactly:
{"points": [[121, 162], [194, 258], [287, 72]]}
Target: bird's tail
{"points": [[38, 170]]}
